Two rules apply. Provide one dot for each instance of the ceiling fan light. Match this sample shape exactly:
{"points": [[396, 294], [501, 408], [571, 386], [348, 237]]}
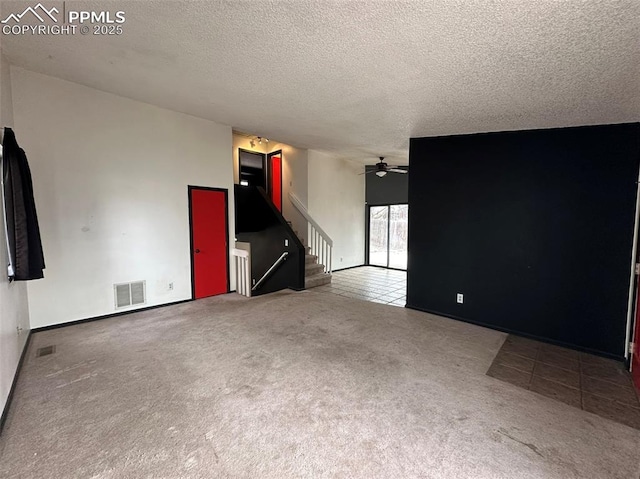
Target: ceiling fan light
{"points": [[381, 173]]}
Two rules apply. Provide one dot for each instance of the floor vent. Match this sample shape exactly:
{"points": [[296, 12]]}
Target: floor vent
{"points": [[45, 351], [130, 294]]}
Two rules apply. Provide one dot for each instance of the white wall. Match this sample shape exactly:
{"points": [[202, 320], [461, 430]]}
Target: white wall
{"points": [[295, 173], [14, 308], [336, 202], [110, 177]]}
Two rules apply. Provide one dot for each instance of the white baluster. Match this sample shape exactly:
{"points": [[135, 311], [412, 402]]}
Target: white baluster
{"points": [[324, 254], [238, 276], [326, 257], [242, 274], [247, 276], [315, 235], [313, 240]]}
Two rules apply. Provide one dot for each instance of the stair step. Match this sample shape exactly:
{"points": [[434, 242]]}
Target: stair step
{"points": [[313, 268], [317, 280], [310, 259]]}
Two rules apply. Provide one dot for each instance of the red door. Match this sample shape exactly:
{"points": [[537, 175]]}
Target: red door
{"points": [[209, 233], [276, 181], [635, 356]]}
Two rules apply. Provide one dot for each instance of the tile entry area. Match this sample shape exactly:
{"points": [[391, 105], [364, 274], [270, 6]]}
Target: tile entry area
{"points": [[369, 283], [592, 383]]}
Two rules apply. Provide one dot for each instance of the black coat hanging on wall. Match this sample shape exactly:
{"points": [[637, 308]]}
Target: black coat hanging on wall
{"points": [[26, 259]]}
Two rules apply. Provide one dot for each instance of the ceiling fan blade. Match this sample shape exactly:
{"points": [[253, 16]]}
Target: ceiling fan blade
{"points": [[397, 170], [367, 172]]}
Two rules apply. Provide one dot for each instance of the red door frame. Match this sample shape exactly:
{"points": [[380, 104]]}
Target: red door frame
{"points": [[226, 223]]}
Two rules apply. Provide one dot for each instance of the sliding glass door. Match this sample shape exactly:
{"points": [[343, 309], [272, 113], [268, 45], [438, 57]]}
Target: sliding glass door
{"points": [[398, 235], [388, 226], [379, 236]]}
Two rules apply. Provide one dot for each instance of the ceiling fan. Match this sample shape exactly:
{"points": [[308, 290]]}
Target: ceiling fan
{"points": [[382, 169]]}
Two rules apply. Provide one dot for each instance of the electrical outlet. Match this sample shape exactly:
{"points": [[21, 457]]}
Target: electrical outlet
{"points": [[341, 259], [170, 286], [460, 298]]}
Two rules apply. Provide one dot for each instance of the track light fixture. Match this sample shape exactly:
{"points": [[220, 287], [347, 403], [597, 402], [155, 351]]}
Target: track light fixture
{"points": [[258, 139]]}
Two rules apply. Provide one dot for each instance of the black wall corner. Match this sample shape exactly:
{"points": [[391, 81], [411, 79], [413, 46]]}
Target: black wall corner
{"points": [[535, 228], [392, 189]]}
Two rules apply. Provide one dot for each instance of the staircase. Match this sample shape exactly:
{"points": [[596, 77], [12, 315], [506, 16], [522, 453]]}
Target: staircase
{"points": [[314, 274], [260, 232]]}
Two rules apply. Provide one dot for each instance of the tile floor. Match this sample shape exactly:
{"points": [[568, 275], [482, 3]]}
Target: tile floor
{"points": [[369, 283], [598, 385]]}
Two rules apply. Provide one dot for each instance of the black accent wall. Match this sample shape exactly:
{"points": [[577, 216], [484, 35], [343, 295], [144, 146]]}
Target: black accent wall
{"points": [[259, 222], [535, 228], [392, 189]]}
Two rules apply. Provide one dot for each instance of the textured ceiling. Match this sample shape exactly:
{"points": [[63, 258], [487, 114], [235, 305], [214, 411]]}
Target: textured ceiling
{"points": [[361, 78]]}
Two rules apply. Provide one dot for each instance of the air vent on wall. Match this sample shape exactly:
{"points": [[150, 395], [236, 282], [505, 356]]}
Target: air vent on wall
{"points": [[130, 294]]}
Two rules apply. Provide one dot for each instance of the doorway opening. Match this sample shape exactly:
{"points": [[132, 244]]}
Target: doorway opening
{"points": [[387, 234], [253, 171], [265, 171]]}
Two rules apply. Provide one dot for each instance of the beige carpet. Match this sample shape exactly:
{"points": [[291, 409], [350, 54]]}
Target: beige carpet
{"points": [[303, 385]]}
